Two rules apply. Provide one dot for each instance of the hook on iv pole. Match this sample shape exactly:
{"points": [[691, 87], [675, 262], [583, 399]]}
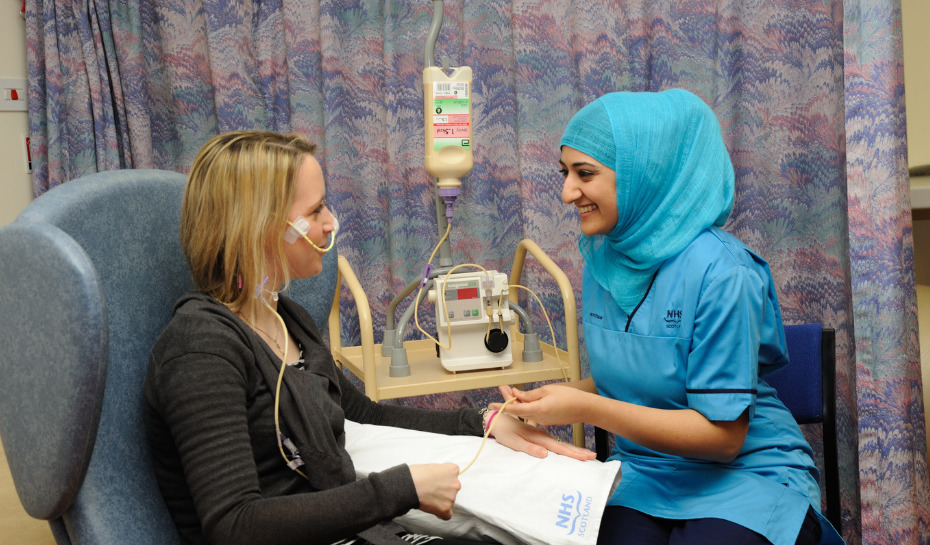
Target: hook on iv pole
{"points": [[434, 27]]}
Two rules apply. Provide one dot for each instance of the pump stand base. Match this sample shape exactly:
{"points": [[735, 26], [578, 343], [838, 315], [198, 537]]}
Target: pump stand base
{"points": [[399, 366]]}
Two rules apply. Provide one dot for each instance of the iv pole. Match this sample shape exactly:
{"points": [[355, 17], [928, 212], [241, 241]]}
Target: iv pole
{"points": [[445, 251], [392, 344]]}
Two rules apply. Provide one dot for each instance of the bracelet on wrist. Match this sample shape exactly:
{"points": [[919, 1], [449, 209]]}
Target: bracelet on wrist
{"points": [[487, 426]]}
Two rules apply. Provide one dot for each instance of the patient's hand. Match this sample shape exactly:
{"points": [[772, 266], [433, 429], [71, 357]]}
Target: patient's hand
{"points": [[511, 432], [437, 485]]}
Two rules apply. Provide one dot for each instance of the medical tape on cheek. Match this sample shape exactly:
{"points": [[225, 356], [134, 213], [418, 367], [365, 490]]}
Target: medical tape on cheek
{"points": [[296, 229]]}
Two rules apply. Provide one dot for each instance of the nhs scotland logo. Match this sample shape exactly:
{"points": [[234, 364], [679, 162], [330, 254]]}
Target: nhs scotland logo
{"points": [[673, 318], [573, 513]]}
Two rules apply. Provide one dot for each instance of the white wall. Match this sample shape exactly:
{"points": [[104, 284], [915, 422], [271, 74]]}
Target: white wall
{"points": [[915, 22], [915, 16], [15, 183]]}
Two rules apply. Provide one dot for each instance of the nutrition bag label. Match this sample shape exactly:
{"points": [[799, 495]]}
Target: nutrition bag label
{"points": [[451, 121]]}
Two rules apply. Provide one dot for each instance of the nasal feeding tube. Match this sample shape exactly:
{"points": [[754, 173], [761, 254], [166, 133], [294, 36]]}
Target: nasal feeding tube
{"points": [[296, 229], [299, 229]]}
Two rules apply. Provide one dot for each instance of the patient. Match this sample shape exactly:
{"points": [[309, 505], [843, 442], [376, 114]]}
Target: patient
{"points": [[250, 451]]}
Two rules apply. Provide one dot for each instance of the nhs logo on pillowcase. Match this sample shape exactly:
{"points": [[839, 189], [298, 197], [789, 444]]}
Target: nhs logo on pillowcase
{"points": [[573, 513]]}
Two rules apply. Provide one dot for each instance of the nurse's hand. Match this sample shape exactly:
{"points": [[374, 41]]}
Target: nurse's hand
{"points": [[550, 405], [522, 437]]}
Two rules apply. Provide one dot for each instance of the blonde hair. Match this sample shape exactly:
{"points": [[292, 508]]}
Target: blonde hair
{"points": [[239, 191]]}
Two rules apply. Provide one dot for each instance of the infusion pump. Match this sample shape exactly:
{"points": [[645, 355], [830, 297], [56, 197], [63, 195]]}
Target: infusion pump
{"points": [[473, 319]]}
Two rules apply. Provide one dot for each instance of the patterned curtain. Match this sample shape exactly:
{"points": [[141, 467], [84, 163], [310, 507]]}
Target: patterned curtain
{"points": [[881, 272], [809, 94]]}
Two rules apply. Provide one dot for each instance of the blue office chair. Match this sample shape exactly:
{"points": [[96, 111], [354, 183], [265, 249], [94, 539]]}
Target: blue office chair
{"points": [[90, 273], [807, 386]]}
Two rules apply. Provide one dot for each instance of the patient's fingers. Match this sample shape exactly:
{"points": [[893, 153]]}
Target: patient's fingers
{"points": [[558, 446], [566, 448], [531, 448], [535, 441]]}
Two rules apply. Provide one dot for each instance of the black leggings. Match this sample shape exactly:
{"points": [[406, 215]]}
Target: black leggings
{"points": [[625, 526]]}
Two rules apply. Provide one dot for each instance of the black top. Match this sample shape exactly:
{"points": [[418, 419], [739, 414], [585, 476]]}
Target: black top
{"points": [[209, 395]]}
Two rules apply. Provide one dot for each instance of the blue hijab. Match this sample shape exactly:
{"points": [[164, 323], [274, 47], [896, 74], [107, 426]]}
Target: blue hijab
{"points": [[674, 179]]}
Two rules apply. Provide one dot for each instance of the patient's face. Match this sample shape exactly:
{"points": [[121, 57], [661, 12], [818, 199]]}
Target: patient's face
{"points": [[302, 258]]}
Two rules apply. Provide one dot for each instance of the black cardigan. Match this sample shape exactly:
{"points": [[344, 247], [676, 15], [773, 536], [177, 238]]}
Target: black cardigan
{"points": [[209, 395]]}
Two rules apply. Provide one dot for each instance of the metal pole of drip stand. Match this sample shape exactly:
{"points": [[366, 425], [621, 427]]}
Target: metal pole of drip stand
{"points": [[445, 250], [392, 345]]}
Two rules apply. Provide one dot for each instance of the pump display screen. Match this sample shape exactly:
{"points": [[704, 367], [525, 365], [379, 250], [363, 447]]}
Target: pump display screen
{"points": [[463, 301], [466, 293]]}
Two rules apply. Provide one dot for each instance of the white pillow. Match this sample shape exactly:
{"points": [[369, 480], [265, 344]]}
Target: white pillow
{"points": [[507, 496]]}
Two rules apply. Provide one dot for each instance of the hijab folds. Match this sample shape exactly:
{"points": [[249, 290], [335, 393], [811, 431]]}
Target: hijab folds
{"points": [[674, 179]]}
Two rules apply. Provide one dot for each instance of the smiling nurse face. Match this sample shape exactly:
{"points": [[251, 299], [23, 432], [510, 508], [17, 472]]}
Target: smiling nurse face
{"points": [[592, 188]]}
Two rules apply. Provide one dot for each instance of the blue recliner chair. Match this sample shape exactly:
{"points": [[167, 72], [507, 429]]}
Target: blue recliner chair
{"points": [[89, 274]]}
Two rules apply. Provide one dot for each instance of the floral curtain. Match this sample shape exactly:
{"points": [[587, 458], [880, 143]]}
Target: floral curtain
{"points": [[809, 94]]}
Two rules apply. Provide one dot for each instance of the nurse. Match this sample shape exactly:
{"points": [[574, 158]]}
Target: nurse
{"points": [[682, 324]]}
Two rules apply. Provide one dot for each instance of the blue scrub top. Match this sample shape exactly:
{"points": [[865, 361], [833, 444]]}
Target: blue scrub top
{"points": [[707, 330]]}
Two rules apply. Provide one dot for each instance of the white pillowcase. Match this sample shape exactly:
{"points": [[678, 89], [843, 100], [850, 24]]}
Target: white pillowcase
{"points": [[507, 496]]}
